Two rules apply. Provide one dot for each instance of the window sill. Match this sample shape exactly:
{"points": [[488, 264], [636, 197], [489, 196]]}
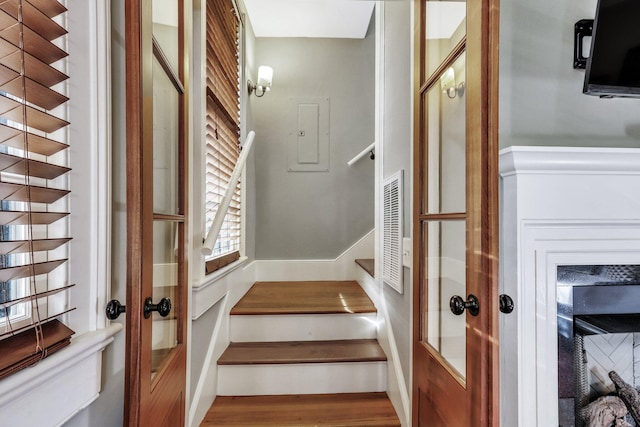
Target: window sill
{"points": [[59, 386], [211, 289]]}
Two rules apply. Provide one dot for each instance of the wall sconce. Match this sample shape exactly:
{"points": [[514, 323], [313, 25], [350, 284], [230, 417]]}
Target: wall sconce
{"points": [[448, 84], [265, 76]]}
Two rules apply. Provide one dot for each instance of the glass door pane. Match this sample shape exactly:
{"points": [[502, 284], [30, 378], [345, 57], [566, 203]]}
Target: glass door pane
{"points": [[445, 119], [446, 26], [165, 142], [165, 283], [445, 263], [167, 213], [165, 29]]}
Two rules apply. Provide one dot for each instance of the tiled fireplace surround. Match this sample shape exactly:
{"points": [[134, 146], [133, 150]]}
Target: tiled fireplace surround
{"points": [[560, 207]]}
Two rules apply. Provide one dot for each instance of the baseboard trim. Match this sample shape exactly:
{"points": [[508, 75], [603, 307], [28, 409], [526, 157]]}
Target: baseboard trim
{"points": [[396, 385], [341, 268]]}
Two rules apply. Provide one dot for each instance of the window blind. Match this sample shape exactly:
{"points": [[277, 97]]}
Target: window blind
{"points": [[222, 127], [33, 183]]}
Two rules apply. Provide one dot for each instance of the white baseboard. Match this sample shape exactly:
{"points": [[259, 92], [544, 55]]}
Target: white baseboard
{"points": [[396, 385], [341, 268]]}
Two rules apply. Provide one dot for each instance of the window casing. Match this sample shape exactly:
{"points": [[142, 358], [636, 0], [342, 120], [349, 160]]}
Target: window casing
{"points": [[222, 127]]}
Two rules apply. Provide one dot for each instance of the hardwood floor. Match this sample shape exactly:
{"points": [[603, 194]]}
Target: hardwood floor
{"points": [[352, 409], [304, 298], [251, 353]]}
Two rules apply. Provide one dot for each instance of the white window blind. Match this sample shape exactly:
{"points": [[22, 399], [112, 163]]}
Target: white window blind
{"points": [[222, 127], [33, 183]]}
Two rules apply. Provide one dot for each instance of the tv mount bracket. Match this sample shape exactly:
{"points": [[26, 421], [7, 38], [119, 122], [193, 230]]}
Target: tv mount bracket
{"points": [[583, 28]]}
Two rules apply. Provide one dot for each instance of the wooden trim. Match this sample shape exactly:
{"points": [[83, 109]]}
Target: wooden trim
{"points": [[418, 135], [446, 63], [134, 40], [158, 53], [168, 217], [442, 216], [217, 263], [492, 267]]}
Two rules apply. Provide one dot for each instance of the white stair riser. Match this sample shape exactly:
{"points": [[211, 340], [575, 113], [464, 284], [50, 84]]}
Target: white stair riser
{"points": [[302, 327], [304, 378]]}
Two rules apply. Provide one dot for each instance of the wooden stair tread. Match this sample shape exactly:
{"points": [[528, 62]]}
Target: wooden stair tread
{"points": [[319, 297], [367, 265], [348, 409], [250, 353]]}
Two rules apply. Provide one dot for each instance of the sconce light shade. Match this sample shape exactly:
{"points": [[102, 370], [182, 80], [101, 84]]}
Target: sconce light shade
{"points": [[265, 77], [448, 84]]}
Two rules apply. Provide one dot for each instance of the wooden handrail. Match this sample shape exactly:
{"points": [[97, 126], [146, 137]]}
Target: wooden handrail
{"points": [[212, 236]]}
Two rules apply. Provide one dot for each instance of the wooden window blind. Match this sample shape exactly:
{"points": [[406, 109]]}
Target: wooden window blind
{"points": [[222, 127], [33, 183]]}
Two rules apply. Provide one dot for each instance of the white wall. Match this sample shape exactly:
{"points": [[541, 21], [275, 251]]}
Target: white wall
{"points": [[541, 100]]}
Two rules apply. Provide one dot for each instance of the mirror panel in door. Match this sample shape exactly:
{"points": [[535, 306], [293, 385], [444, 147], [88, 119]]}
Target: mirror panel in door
{"points": [[165, 281], [445, 119], [165, 142], [165, 29], [445, 277], [446, 26]]}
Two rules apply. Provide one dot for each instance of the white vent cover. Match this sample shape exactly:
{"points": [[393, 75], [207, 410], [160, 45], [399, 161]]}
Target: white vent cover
{"points": [[392, 232]]}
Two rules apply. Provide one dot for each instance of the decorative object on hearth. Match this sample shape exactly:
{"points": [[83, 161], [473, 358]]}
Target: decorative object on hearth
{"points": [[605, 411], [628, 394]]}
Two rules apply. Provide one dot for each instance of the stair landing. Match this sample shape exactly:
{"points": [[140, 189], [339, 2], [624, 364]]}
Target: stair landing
{"points": [[350, 409], [323, 297]]}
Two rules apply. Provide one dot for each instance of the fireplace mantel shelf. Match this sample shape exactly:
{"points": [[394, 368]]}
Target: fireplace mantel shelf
{"points": [[560, 206]]}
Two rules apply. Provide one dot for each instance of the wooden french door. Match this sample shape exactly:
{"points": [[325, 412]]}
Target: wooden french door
{"points": [[156, 213], [456, 215]]}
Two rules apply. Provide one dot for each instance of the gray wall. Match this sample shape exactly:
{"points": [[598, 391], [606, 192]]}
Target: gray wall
{"points": [[397, 145], [314, 215], [541, 100]]}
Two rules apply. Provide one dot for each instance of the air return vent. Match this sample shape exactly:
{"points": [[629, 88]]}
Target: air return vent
{"points": [[392, 232]]}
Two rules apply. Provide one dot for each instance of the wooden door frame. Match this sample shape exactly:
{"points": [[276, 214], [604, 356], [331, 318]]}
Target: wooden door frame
{"points": [[136, 109], [484, 54], [140, 214]]}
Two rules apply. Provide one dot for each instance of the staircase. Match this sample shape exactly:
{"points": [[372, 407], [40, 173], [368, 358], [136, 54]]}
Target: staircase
{"points": [[303, 354]]}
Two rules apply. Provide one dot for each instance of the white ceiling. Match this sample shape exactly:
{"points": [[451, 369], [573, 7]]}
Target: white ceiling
{"points": [[310, 18]]}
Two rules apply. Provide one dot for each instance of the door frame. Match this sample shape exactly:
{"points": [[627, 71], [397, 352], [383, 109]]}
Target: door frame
{"points": [[483, 404]]}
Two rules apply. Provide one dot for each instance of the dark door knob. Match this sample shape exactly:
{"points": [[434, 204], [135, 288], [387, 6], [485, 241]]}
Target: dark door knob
{"points": [[506, 303], [114, 309], [163, 307], [458, 305]]}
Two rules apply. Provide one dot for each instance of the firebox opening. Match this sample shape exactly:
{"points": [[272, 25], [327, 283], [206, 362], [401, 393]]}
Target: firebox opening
{"points": [[598, 342]]}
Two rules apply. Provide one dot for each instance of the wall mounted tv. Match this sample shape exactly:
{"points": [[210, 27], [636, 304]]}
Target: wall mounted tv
{"points": [[613, 66]]}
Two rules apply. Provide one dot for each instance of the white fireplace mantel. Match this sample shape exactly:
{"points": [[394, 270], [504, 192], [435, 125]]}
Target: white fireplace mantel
{"points": [[560, 206]]}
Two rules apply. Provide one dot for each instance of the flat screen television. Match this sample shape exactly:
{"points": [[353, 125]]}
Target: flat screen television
{"points": [[613, 66]]}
